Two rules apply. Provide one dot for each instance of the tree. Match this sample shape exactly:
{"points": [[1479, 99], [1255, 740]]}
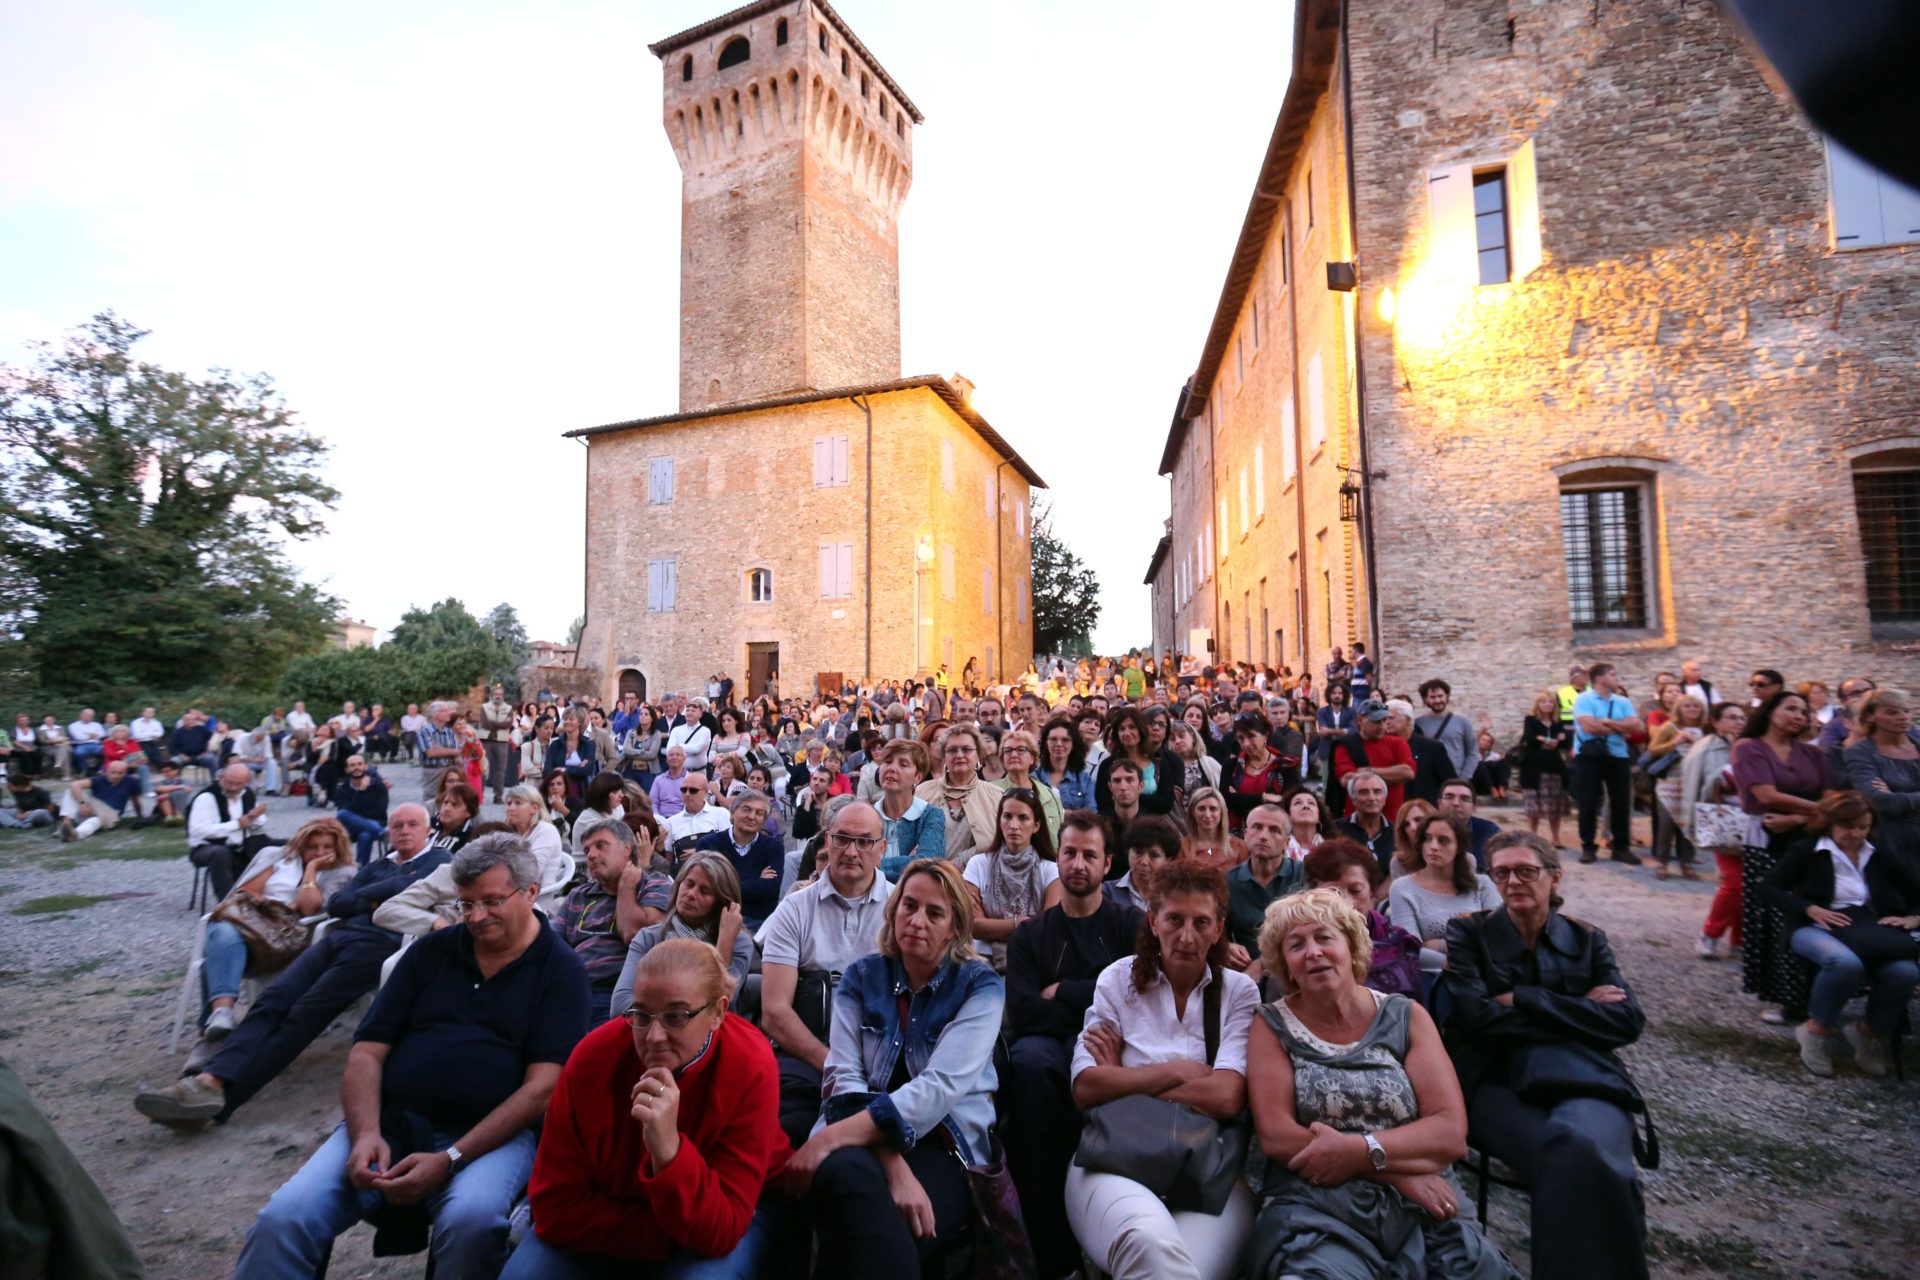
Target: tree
{"points": [[510, 647], [574, 629], [144, 520], [1066, 594]]}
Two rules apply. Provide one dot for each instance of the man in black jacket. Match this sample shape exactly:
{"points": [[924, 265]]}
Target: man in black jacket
{"points": [[1052, 962]]}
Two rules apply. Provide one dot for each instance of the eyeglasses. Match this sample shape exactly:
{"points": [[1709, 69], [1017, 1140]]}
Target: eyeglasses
{"points": [[959, 749], [691, 791], [672, 1019], [865, 844], [465, 908], [1525, 874]]}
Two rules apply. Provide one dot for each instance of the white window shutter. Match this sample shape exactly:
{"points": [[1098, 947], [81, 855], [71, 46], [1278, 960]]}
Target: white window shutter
{"points": [[653, 586], [1454, 249], [1246, 504], [1259, 478], [672, 585], [1020, 519], [666, 482], [1289, 440], [986, 589], [1523, 211], [946, 573], [1317, 400], [1853, 187], [840, 460], [1899, 211], [843, 570], [822, 461], [1226, 534], [946, 465]]}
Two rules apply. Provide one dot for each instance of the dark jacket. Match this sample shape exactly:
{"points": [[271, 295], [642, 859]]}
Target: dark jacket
{"points": [[1432, 769], [1804, 878], [759, 893], [1486, 959], [1380, 844], [370, 803], [379, 880], [1042, 953], [581, 773], [1168, 773]]}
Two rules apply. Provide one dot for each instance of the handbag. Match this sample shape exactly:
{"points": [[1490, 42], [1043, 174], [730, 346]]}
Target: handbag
{"points": [[271, 929], [1720, 826], [1875, 943], [1552, 1072], [1002, 1249], [1188, 1159], [1654, 766]]}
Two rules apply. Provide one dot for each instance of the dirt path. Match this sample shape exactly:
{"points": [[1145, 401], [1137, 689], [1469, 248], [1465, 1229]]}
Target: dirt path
{"points": [[1767, 1172]]}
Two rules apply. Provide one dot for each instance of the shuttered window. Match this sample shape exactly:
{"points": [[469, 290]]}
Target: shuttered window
{"points": [[986, 589], [662, 582], [836, 570], [1868, 207], [1289, 440], [829, 461], [659, 480]]}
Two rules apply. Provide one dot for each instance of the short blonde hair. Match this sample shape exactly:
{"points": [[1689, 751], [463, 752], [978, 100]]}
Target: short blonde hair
{"points": [[693, 958], [1327, 906], [959, 903]]}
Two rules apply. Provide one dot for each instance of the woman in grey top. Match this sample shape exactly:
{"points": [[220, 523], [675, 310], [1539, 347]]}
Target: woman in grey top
{"points": [[1444, 886], [706, 907], [1885, 768]]}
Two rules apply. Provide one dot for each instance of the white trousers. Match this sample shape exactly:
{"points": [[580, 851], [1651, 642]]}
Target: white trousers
{"points": [[1131, 1234], [99, 815]]}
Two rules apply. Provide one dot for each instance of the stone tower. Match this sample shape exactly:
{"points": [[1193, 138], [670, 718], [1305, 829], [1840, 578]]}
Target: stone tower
{"points": [[795, 151]]}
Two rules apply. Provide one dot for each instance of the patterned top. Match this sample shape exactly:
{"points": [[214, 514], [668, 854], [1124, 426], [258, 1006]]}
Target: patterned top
{"points": [[1355, 1088], [584, 919]]}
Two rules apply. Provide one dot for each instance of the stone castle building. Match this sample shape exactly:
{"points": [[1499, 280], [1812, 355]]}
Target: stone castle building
{"points": [[1552, 332], [808, 511]]}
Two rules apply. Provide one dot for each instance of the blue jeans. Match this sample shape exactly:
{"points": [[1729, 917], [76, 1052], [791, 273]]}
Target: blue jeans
{"points": [[223, 961], [365, 832], [10, 819], [87, 754], [298, 1225], [1842, 972], [537, 1260]]}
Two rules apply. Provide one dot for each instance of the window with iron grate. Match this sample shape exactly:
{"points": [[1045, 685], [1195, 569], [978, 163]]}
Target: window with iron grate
{"points": [[1888, 503], [1603, 532]]}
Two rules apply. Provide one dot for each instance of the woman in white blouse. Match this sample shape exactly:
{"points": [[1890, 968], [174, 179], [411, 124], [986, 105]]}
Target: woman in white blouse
{"points": [[1146, 1033]]}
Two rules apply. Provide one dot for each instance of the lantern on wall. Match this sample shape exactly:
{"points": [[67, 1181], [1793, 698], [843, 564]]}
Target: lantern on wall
{"points": [[1349, 499]]}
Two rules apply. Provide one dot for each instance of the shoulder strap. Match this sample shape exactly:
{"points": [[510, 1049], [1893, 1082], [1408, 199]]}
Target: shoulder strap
{"points": [[1440, 732], [1210, 1013]]}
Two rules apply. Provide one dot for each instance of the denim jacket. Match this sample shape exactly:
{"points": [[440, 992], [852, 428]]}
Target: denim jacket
{"points": [[1074, 789], [952, 1024]]}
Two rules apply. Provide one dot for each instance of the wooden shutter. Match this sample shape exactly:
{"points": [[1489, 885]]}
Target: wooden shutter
{"points": [[1453, 248], [1523, 212], [1289, 440], [671, 584], [843, 570], [1853, 188], [653, 586]]}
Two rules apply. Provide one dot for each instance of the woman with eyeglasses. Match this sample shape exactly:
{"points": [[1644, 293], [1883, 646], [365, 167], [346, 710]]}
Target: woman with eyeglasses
{"points": [[1016, 878], [1020, 756], [661, 1139], [706, 908], [1538, 1009], [972, 806]]}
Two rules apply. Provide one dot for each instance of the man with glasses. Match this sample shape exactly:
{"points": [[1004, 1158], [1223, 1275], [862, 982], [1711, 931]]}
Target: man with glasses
{"points": [[757, 856], [696, 817], [314, 990], [806, 944], [992, 715], [456, 1059]]}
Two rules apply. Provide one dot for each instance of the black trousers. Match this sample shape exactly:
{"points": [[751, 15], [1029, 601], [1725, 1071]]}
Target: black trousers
{"points": [[862, 1234], [300, 1004], [223, 862], [1610, 778], [1041, 1133], [1589, 1221], [799, 1097]]}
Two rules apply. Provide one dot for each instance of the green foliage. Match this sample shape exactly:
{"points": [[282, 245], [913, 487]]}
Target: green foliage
{"points": [[1066, 594], [510, 648], [144, 519], [390, 675]]}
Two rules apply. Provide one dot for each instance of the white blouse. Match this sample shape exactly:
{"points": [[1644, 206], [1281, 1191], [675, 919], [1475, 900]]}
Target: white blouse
{"points": [[1153, 1034]]}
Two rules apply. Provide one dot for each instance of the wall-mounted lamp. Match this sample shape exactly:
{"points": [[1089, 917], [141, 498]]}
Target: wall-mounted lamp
{"points": [[1343, 277], [1386, 305], [1350, 492]]}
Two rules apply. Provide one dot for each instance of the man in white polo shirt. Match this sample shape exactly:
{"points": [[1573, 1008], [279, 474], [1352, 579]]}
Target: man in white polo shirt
{"points": [[806, 944], [696, 819]]}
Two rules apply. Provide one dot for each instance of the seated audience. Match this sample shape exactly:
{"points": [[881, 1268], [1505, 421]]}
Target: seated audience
{"points": [[807, 944], [758, 858], [915, 828], [360, 802], [254, 749], [1063, 764], [103, 798], [449, 1074], [664, 791], [1368, 825], [1311, 822], [1445, 886], [302, 874], [620, 898], [191, 742], [1536, 995], [662, 1138], [705, 898], [1358, 1115], [32, 806], [603, 797], [972, 806], [1347, 866], [1169, 1022], [1020, 757], [811, 801], [1052, 962], [223, 827], [1122, 808], [909, 1083], [1266, 876], [1149, 845], [314, 990], [1013, 879], [697, 819], [54, 747], [1457, 798], [457, 814], [1406, 839], [1208, 840], [87, 738], [527, 818], [1852, 911]]}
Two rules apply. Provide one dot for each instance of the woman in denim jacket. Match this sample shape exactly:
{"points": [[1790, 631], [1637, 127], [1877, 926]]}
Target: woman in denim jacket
{"points": [[909, 1081]]}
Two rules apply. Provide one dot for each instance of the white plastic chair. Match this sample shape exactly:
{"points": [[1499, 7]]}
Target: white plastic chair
{"points": [[249, 983]]}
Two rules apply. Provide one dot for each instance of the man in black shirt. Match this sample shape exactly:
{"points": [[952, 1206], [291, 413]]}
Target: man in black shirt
{"points": [[1052, 962], [1432, 766], [32, 807]]}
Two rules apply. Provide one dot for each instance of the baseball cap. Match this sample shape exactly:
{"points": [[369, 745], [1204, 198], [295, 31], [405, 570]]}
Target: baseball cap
{"points": [[1372, 709]]}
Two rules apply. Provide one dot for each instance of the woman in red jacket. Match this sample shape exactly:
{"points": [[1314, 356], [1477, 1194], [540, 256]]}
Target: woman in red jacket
{"points": [[661, 1137]]}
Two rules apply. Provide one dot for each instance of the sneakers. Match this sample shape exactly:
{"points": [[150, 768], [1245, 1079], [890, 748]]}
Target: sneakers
{"points": [[1773, 1016], [1815, 1054], [187, 1101], [219, 1024], [1707, 948], [1869, 1051], [67, 833]]}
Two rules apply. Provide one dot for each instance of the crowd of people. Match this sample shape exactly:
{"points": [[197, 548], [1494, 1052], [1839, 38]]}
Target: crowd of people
{"points": [[1161, 968]]}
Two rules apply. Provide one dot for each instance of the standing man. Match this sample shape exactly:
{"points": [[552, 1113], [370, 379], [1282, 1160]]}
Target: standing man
{"points": [[222, 823], [439, 751], [1696, 685], [1052, 961], [1454, 732], [1339, 670], [1576, 685], [1763, 684], [496, 731], [1360, 683], [1371, 747], [1332, 721], [693, 736], [1602, 769]]}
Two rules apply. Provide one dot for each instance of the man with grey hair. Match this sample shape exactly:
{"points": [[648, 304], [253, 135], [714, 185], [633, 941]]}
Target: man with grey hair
{"points": [[439, 750], [314, 990], [1432, 766], [456, 1059], [1368, 824], [695, 737], [757, 856]]}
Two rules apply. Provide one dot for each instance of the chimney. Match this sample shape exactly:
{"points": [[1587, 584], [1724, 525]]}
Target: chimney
{"points": [[964, 385]]}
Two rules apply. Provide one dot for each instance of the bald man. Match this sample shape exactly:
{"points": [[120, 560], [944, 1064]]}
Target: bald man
{"points": [[224, 828]]}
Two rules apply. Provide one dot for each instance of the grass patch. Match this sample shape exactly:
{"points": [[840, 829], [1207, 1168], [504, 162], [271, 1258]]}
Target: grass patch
{"points": [[6, 889], [1705, 1137], [61, 902], [1716, 1042], [78, 968], [1720, 1254]]}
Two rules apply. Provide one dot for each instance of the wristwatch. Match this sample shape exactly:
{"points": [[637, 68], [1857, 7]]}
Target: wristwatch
{"points": [[455, 1159], [1376, 1154]]}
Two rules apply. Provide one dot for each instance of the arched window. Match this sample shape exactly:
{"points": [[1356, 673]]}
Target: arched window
{"points": [[845, 65], [823, 39], [686, 68], [780, 31], [734, 52], [760, 586], [863, 84]]}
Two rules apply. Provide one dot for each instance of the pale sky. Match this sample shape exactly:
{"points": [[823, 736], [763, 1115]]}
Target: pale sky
{"points": [[449, 232]]}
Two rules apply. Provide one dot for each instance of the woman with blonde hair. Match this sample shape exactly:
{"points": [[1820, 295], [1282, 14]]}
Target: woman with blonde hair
{"points": [[1884, 766], [527, 816], [909, 1084], [1685, 725], [1543, 765], [1209, 841], [1357, 1112], [1020, 756], [706, 908]]}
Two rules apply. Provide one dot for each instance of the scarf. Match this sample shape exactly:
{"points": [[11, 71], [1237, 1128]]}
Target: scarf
{"points": [[1013, 890], [674, 927]]}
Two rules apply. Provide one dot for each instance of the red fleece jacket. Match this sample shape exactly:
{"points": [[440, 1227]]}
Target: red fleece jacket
{"points": [[594, 1187]]}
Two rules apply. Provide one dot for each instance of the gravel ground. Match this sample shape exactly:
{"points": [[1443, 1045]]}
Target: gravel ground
{"points": [[1766, 1172]]}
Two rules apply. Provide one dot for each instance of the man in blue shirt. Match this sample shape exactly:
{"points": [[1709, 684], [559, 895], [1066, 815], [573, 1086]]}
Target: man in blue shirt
{"points": [[1602, 768], [103, 798], [449, 1072]]}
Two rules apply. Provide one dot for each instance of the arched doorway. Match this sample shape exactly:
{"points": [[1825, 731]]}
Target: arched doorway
{"points": [[631, 681]]}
